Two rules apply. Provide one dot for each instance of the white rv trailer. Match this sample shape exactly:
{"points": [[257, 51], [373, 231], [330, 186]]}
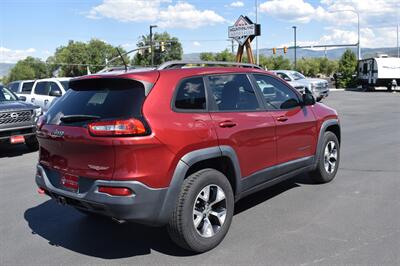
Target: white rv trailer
{"points": [[379, 72]]}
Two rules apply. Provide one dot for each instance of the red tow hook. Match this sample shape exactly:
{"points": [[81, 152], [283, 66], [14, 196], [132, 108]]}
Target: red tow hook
{"points": [[41, 191]]}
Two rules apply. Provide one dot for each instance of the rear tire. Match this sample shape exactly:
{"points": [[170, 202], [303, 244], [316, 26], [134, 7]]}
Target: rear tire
{"points": [[204, 211], [328, 161], [32, 143]]}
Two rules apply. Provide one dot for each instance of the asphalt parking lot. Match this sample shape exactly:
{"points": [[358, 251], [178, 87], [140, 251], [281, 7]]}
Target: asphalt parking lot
{"points": [[353, 220]]}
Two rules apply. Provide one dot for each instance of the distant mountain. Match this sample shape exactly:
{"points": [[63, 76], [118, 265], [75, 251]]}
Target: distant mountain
{"points": [[5, 68], [308, 53]]}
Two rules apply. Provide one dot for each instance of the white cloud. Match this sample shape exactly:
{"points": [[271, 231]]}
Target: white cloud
{"points": [[184, 15], [12, 56], [377, 19], [237, 4], [195, 43], [126, 10], [180, 15], [292, 10]]}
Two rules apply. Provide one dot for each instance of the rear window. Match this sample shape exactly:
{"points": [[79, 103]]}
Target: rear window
{"points": [[191, 95], [105, 98]]}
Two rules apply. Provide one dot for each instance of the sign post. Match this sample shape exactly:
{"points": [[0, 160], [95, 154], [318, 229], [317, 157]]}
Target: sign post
{"points": [[244, 31]]}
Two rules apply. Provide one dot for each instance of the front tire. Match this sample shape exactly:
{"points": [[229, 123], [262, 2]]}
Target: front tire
{"points": [[328, 161], [204, 211]]}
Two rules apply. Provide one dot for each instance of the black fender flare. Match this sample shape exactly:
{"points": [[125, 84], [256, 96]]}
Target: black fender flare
{"points": [[183, 166], [324, 126]]}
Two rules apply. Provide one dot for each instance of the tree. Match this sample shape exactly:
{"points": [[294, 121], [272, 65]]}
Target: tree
{"points": [[207, 56], [74, 59], [347, 68], [28, 68], [275, 62], [173, 50]]}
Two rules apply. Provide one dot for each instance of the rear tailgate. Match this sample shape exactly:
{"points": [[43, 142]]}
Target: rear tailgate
{"points": [[67, 146]]}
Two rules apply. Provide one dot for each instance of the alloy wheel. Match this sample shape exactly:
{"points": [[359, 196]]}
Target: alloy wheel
{"points": [[209, 211], [330, 157]]}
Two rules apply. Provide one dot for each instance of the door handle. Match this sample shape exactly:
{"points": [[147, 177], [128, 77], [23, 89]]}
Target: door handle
{"points": [[282, 118], [46, 102], [32, 100], [227, 124]]}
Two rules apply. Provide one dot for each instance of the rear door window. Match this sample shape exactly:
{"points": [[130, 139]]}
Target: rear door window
{"points": [[104, 98], [191, 94], [27, 87], [233, 92]]}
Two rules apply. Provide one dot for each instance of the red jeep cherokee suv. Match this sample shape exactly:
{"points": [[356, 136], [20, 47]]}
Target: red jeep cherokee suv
{"points": [[178, 146]]}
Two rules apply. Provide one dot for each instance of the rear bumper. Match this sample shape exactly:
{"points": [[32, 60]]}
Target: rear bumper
{"points": [[144, 206], [6, 133]]}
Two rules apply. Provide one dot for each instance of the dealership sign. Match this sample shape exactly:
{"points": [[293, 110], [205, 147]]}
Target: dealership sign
{"points": [[243, 29]]}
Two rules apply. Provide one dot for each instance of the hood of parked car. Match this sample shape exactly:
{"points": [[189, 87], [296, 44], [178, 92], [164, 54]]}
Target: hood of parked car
{"points": [[15, 106]]}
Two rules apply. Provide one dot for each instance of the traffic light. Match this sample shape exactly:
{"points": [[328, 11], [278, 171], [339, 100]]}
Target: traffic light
{"points": [[274, 50], [285, 49], [162, 46], [149, 50]]}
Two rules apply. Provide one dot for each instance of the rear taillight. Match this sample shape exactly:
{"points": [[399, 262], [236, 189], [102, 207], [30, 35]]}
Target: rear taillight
{"points": [[116, 191], [129, 127]]}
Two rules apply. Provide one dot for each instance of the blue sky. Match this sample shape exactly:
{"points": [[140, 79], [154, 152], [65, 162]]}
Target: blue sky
{"points": [[37, 28]]}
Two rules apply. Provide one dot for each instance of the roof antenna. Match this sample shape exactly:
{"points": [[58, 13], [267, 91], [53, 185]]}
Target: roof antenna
{"points": [[123, 60]]}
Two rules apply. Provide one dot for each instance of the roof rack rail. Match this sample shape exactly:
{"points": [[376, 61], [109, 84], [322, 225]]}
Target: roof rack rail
{"points": [[181, 64]]}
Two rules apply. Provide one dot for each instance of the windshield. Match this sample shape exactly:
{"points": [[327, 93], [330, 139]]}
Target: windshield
{"points": [[297, 76], [6, 95]]}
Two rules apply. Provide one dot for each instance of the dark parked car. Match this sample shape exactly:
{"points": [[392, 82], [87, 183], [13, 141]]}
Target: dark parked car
{"points": [[17, 120], [178, 146]]}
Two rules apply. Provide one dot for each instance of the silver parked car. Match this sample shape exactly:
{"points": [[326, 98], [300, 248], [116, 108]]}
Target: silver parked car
{"points": [[318, 87]]}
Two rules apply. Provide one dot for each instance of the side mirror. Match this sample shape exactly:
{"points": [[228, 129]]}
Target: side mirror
{"points": [[55, 93], [22, 98], [308, 99]]}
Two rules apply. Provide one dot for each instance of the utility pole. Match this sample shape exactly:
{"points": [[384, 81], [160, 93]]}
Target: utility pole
{"points": [[295, 47], [151, 44]]}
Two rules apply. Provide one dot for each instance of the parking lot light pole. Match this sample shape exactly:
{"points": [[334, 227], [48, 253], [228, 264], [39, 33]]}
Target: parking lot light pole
{"points": [[295, 47], [151, 43]]}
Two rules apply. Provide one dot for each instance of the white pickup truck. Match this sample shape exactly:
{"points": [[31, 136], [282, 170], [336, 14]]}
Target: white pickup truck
{"points": [[45, 91]]}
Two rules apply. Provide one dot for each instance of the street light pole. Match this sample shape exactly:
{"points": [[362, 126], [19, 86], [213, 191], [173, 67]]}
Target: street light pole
{"points": [[295, 47], [151, 43]]}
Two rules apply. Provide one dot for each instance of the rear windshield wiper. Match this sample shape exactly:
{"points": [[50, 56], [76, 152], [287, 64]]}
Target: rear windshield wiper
{"points": [[78, 118]]}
